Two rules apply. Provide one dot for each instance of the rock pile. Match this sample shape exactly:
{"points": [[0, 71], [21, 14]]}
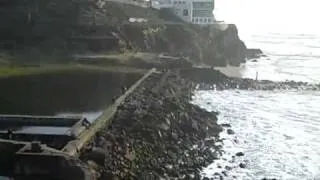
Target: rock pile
{"points": [[209, 78], [157, 133]]}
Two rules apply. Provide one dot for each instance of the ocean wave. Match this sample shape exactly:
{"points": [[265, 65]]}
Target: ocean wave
{"points": [[273, 129], [290, 56]]}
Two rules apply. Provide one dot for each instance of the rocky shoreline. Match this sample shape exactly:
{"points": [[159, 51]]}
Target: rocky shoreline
{"points": [[210, 79], [158, 134]]}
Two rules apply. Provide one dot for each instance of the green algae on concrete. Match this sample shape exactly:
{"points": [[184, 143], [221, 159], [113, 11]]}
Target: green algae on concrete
{"points": [[9, 71]]}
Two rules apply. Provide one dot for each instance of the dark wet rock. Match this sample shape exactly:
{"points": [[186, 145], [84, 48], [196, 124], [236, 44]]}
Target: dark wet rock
{"points": [[188, 176], [195, 125], [197, 176], [96, 155], [164, 127], [230, 131], [232, 160], [172, 155], [242, 165], [225, 125], [239, 154], [92, 165], [204, 76], [205, 178], [228, 168], [254, 53], [210, 142], [224, 173]]}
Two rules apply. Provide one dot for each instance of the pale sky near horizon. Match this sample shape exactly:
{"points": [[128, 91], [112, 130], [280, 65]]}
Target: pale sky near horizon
{"points": [[290, 13]]}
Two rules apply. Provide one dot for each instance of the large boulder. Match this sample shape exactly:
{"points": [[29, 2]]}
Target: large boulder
{"points": [[254, 53]]}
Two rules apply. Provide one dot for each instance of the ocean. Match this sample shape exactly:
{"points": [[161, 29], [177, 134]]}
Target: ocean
{"points": [[278, 131], [287, 31]]}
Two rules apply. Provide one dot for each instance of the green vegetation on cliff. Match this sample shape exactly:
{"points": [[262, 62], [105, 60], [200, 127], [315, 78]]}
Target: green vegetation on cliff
{"points": [[9, 71]]}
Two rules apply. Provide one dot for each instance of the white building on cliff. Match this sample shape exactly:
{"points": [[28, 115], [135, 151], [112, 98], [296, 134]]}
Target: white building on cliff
{"points": [[194, 11]]}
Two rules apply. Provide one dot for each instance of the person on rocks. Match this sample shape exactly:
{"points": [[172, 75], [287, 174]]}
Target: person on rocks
{"points": [[10, 134], [114, 98], [85, 123], [124, 89]]}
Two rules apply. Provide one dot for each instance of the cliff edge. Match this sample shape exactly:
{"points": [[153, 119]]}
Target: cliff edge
{"points": [[209, 45], [60, 28]]}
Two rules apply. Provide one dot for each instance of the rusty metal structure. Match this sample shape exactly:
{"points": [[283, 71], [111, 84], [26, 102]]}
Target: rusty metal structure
{"points": [[23, 154]]}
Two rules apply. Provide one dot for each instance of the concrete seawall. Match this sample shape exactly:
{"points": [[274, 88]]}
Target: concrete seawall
{"points": [[73, 147]]}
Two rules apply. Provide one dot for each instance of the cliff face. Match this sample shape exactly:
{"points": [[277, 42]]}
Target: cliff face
{"points": [[83, 26], [210, 45]]}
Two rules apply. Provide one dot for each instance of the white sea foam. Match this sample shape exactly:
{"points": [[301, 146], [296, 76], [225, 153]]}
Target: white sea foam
{"points": [[277, 131]]}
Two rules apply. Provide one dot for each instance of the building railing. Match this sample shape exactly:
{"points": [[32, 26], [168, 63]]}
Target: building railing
{"points": [[141, 3]]}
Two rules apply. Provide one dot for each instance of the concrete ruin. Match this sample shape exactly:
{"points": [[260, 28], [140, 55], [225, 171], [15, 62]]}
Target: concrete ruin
{"points": [[45, 146]]}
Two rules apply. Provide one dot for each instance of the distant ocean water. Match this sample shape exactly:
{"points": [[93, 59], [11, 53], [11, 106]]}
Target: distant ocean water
{"points": [[278, 131], [287, 31]]}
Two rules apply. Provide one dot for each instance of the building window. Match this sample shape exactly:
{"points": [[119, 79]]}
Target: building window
{"points": [[205, 20], [203, 5], [196, 20], [200, 20], [174, 2], [185, 12], [179, 2], [201, 12], [183, 2]]}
